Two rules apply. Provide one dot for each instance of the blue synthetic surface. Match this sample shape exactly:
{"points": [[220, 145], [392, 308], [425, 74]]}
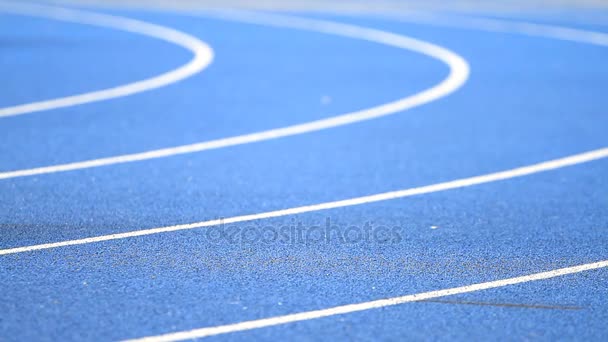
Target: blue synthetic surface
{"points": [[528, 100]]}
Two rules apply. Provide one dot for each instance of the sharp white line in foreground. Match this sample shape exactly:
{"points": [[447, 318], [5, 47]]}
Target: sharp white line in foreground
{"points": [[455, 184], [203, 54], [459, 72], [350, 308]]}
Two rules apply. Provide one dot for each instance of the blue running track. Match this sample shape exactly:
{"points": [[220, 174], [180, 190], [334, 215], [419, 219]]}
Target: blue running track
{"points": [[530, 97]]}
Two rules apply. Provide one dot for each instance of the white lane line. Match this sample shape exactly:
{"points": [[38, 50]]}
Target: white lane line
{"points": [[455, 184], [503, 26], [459, 72], [350, 308], [203, 55]]}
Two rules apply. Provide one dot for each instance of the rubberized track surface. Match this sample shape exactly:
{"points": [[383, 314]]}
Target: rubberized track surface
{"points": [[248, 175]]}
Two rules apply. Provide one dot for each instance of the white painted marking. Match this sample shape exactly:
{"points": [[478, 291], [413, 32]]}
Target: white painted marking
{"points": [[203, 55], [459, 72], [455, 184], [350, 308], [504, 26]]}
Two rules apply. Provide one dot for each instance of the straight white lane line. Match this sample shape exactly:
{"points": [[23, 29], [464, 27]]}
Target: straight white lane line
{"points": [[203, 54], [459, 72], [455, 184], [503, 26], [350, 308]]}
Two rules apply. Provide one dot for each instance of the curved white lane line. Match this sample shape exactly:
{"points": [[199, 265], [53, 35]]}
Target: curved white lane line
{"points": [[455, 184], [203, 55], [350, 308], [459, 72]]}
